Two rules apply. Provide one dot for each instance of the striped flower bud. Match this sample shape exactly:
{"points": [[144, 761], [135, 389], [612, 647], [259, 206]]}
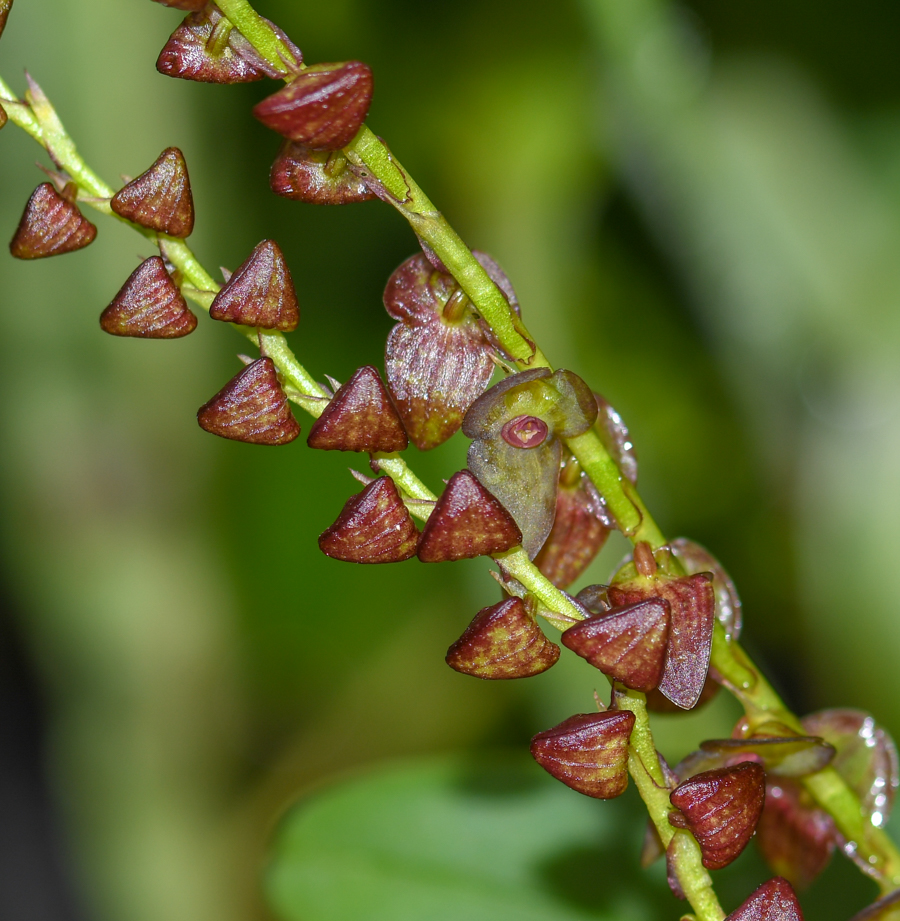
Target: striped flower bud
{"points": [[627, 644], [149, 306], [159, 198], [373, 527], [323, 107], [588, 752], [251, 407], [773, 901], [466, 522], [361, 417], [721, 808], [260, 293], [503, 641], [50, 225], [318, 177]]}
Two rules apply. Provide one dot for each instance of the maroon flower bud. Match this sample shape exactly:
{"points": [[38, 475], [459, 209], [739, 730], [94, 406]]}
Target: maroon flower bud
{"points": [[260, 293], [184, 4], [884, 909], [160, 198], [5, 6], [503, 641], [251, 407], [627, 644], [693, 603], [149, 306], [361, 417], [721, 808], [588, 752], [467, 521], [206, 47], [50, 226], [373, 527], [773, 901], [318, 177], [323, 107]]}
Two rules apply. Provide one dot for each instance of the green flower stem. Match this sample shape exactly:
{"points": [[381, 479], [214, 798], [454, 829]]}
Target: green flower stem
{"points": [[398, 470], [561, 611], [258, 32]]}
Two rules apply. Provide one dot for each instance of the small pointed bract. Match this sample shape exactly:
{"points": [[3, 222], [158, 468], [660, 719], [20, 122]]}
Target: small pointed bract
{"points": [[5, 6], [208, 49], [251, 407], [466, 522], [323, 107], [588, 752], [503, 641], [159, 198], [721, 808], [627, 644], [318, 177], [373, 527], [149, 306], [773, 901], [361, 417], [50, 226], [260, 293]]}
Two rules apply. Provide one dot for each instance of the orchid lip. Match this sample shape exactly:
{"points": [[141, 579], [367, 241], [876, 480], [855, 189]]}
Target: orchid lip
{"points": [[525, 432]]}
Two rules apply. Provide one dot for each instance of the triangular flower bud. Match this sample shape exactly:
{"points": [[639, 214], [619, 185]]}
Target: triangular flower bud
{"points": [[361, 417], [323, 107], [318, 177], [503, 641], [773, 901], [627, 644], [260, 293], [466, 522], [251, 407], [149, 306], [374, 527], [50, 226], [207, 48], [160, 198], [721, 808], [588, 752]]}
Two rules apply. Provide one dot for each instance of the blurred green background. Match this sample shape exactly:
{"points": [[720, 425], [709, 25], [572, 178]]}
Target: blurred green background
{"points": [[698, 206]]}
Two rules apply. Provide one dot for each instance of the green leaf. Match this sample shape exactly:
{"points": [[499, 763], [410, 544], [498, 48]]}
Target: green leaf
{"points": [[446, 839]]}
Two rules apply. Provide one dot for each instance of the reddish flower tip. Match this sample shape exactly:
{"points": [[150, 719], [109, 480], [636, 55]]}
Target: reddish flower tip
{"points": [[318, 177], [50, 226], [503, 641], [361, 417], [467, 521], [251, 407], [159, 198], [773, 901], [373, 527], [260, 293], [321, 108], [588, 752], [149, 306]]}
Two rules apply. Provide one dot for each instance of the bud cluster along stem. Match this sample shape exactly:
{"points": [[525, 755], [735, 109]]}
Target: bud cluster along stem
{"points": [[656, 599]]}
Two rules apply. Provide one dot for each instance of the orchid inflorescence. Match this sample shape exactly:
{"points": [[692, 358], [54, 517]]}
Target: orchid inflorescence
{"points": [[551, 472]]}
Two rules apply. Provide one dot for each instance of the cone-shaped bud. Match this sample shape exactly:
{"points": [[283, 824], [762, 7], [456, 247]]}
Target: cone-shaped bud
{"points": [[50, 226], [795, 837], [503, 641], [695, 559], [361, 417], [323, 107], [886, 909], [588, 752], [525, 477], [577, 535], [251, 407], [627, 644], [773, 901], [693, 604], [208, 49], [318, 177], [149, 306], [5, 6], [467, 521], [373, 527], [866, 757], [260, 293], [721, 808], [438, 356], [160, 198]]}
